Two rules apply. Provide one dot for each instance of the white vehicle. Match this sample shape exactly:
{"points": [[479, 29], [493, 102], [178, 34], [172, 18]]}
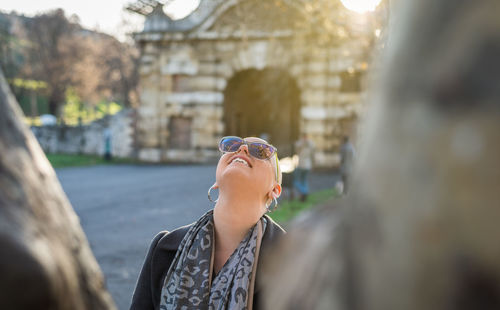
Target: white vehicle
{"points": [[48, 120]]}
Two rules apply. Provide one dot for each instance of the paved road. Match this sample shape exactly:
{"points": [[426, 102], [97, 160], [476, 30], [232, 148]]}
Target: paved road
{"points": [[121, 208]]}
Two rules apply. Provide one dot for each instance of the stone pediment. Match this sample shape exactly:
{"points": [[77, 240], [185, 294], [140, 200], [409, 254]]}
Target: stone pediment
{"points": [[252, 16], [224, 18], [203, 12]]}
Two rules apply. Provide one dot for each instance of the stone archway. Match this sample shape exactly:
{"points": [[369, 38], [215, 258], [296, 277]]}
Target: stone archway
{"points": [[267, 101]]}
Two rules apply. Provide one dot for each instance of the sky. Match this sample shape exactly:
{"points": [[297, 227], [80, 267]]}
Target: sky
{"points": [[107, 16]]}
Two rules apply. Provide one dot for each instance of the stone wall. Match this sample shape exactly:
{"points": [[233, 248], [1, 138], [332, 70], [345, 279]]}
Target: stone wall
{"points": [[89, 139]]}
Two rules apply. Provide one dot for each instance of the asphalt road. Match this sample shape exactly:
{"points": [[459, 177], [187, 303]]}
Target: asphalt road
{"points": [[121, 208]]}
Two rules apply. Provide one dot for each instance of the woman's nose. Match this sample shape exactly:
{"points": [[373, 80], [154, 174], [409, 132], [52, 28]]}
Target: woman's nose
{"points": [[243, 148]]}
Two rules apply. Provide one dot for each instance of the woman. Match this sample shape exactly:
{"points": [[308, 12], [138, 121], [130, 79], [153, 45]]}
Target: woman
{"points": [[213, 263]]}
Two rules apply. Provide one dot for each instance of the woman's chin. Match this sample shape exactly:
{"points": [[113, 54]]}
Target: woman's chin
{"points": [[235, 172]]}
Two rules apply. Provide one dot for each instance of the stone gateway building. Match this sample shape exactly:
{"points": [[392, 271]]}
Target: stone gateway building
{"points": [[249, 68]]}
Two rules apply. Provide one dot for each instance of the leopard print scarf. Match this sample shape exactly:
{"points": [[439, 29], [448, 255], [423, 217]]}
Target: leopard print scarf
{"points": [[188, 283]]}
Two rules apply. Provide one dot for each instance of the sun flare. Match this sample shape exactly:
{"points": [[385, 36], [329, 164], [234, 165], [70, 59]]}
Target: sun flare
{"points": [[360, 6]]}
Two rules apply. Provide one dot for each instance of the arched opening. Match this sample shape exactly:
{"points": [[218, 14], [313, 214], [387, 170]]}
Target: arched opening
{"points": [[263, 102]]}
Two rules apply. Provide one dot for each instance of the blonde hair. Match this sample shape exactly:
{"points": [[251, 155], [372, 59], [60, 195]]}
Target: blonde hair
{"points": [[276, 164]]}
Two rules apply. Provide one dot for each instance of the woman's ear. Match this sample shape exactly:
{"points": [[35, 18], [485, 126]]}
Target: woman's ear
{"points": [[276, 192]]}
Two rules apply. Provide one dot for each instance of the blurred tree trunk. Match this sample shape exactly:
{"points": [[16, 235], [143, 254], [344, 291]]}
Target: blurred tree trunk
{"points": [[420, 228], [45, 259]]}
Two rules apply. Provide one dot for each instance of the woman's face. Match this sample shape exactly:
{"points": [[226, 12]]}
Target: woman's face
{"points": [[241, 171]]}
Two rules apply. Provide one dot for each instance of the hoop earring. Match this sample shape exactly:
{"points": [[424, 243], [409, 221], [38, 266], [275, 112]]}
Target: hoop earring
{"points": [[269, 210], [210, 197]]}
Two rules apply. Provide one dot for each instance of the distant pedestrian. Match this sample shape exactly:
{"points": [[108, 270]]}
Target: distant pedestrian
{"points": [[347, 154], [107, 144], [304, 149]]}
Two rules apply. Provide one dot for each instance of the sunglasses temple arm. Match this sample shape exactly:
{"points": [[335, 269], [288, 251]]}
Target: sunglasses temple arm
{"points": [[277, 167]]}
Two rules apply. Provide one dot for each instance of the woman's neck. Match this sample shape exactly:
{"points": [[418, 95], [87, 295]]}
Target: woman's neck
{"points": [[232, 223]]}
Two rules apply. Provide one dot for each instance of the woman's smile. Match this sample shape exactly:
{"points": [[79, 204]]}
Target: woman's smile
{"points": [[240, 159]]}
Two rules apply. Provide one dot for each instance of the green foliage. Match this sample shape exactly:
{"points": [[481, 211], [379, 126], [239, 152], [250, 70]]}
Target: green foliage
{"points": [[289, 209], [29, 84], [24, 100], [75, 109]]}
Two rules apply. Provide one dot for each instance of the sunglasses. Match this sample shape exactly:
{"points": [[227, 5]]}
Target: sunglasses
{"points": [[256, 149]]}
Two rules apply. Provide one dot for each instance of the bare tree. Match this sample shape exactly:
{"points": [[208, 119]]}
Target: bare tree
{"points": [[53, 52], [63, 54], [420, 228], [8, 48], [120, 76], [45, 262]]}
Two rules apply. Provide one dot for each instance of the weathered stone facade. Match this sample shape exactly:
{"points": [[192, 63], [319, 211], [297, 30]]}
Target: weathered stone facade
{"points": [[89, 139], [187, 67]]}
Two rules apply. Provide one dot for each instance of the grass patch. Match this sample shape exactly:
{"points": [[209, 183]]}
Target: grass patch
{"points": [[67, 160], [289, 209]]}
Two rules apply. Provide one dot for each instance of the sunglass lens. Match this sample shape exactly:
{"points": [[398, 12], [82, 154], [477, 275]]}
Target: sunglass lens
{"points": [[230, 144], [260, 150]]}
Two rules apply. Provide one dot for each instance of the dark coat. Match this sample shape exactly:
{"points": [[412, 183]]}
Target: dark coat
{"points": [[161, 254]]}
